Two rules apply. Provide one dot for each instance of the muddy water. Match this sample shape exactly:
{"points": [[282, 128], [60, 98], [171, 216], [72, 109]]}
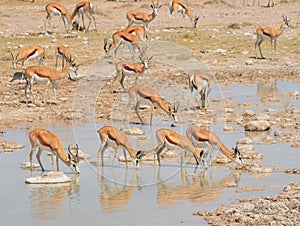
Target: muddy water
{"points": [[127, 196]]}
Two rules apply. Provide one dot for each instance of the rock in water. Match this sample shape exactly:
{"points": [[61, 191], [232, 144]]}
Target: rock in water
{"points": [[49, 178], [257, 125]]}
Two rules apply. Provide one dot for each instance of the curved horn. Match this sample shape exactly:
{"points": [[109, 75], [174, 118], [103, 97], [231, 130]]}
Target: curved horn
{"points": [[77, 154], [69, 149], [11, 56], [105, 44]]}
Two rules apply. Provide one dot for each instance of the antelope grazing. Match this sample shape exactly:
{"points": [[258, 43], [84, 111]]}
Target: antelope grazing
{"points": [[81, 9], [45, 140], [28, 54], [46, 75], [135, 17], [199, 135], [56, 9], [112, 137], [129, 68], [180, 7], [201, 84], [172, 140], [139, 31], [137, 92], [119, 38], [264, 32], [64, 53]]}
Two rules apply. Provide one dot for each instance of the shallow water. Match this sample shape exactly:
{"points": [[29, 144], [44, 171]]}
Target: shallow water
{"points": [[148, 195]]}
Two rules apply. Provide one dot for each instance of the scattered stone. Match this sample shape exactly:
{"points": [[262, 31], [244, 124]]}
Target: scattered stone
{"points": [[249, 62], [229, 129], [257, 125], [81, 154], [252, 168], [292, 171], [26, 165], [282, 209], [133, 131], [8, 146], [221, 51], [49, 178]]}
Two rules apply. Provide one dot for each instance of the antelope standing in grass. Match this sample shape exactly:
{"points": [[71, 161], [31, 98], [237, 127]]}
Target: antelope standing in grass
{"points": [[112, 137], [46, 75], [137, 92], [199, 135], [135, 17], [263, 33], [178, 6], [42, 139], [201, 84]]}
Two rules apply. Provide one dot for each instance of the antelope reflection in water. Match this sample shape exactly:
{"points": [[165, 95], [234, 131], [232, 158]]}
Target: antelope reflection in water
{"points": [[265, 91], [115, 195], [195, 188], [47, 201]]}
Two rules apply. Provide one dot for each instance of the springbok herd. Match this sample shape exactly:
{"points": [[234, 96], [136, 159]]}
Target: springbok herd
{"points": [[135, 37]]}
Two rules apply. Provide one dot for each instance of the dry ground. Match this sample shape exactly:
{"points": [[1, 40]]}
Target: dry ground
{"points": [[223, 40]]}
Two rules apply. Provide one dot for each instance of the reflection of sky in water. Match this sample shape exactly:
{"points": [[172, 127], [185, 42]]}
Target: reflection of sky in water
{"points": [[147, 195], [255, 93]]}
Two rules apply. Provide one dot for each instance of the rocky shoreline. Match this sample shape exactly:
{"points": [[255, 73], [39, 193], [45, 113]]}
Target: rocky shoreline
{"points": [[282, 209]]}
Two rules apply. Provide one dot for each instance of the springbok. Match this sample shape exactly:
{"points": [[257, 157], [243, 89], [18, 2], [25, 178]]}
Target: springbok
{"points": [[28, 54], [122, 37], [135, 17], [264, 32], [56, 9], [46, 75], [138, 91], [178, 6], [64, 53], [171, 140], [81, 9], [43, 139], [129, 68], [199, 135], [201, 84], [112, 137]]}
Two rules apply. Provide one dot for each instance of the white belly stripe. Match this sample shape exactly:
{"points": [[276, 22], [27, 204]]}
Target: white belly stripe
{"points": [[38, 79]]}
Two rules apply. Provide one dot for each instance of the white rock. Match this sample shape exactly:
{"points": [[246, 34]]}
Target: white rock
{"points": [[257, 125], [222, 51], [27, 165], [49, 178], [249, 62], [133, 131]]}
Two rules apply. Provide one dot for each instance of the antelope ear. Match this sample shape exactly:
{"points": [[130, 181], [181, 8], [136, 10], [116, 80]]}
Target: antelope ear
{"points": [[69, 156]]}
